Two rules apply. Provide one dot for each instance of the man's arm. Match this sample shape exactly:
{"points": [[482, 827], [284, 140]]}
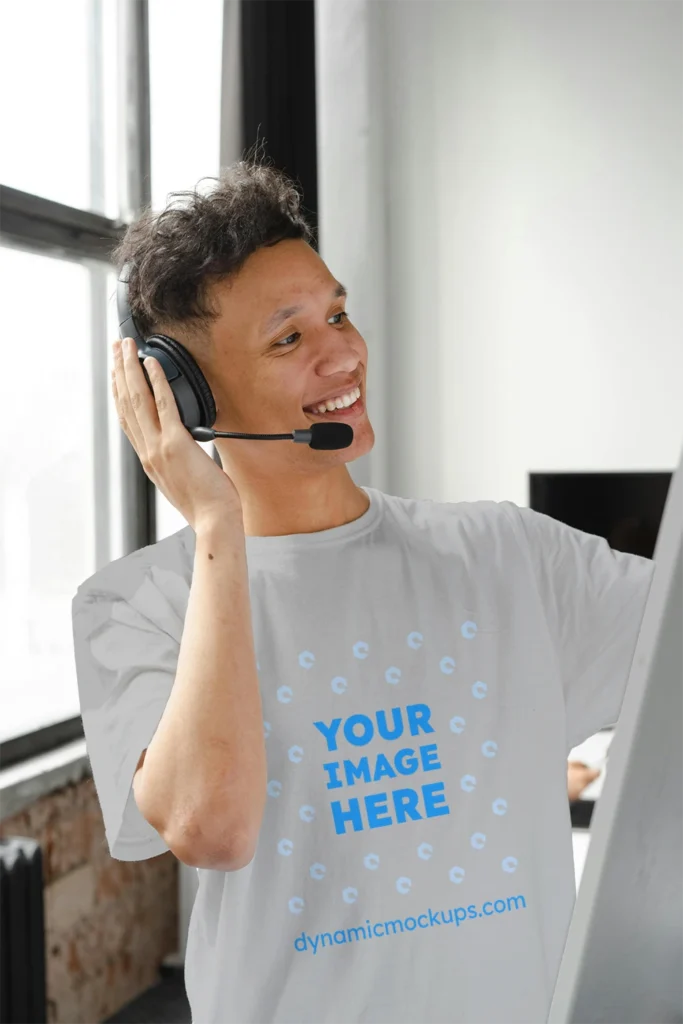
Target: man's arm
{"points": [[201, 782]]}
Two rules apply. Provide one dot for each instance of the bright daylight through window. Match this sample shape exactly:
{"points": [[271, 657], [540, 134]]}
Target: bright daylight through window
{"points": [[62, 170]]}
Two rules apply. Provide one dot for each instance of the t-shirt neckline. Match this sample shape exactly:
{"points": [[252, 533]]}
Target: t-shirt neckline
{"points": [[336, 534]]}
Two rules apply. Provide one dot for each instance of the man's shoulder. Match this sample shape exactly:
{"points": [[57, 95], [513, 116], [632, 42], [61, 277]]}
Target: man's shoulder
{"points": [[426, 513], [171, 555]]}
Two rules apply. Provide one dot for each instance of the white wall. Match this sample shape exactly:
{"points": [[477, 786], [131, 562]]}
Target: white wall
{"points": [[349, 106], [527, 166]]}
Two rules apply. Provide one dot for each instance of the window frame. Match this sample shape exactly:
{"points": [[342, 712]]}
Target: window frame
{"points": [[35, 224]]}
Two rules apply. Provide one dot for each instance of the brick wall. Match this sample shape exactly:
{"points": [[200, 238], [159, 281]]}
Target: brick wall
{"points": [[108, 924]]}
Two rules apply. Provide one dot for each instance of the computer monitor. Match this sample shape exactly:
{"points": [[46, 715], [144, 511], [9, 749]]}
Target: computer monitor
{"points": [[625, 508]]}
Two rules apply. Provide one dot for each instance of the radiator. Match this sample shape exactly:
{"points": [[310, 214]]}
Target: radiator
{"points": [[22, 933]]}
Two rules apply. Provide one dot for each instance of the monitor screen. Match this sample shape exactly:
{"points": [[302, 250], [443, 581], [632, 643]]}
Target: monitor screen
{"points": [[624, 508]]}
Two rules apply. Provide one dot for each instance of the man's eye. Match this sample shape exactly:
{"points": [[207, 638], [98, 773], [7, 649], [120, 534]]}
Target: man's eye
{"points": [[283, 343], [289, 340]]}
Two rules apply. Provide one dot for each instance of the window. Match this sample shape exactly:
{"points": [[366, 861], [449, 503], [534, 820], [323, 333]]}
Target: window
{"points": [[72, 174], [185, 95], [48, 500], [58, 126]]}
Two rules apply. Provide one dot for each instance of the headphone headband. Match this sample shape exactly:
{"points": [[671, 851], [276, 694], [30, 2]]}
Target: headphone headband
{"points": [[127, 324]]}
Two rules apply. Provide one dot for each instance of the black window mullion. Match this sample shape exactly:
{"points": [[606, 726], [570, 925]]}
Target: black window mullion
{"points": [[43, 225], [278, 88]]}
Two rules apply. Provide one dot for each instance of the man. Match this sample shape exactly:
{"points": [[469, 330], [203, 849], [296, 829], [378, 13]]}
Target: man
{"points": [[350, 711]]}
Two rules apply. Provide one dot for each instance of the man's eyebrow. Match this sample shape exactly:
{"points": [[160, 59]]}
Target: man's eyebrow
{"points": [[280, 315]]}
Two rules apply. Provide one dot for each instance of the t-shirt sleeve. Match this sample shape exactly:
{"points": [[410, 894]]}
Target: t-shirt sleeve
{"points": [[125, 665], [593, 598]]}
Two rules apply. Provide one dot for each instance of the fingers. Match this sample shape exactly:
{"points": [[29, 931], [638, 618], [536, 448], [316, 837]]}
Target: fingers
{"points": [[583, 770], [120, 391], [148, 413], [141, 397], [163, 397], [129, 404], [579, 776]]}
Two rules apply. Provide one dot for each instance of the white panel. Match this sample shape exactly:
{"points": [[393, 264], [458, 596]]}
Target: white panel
{"points": [[624, 951]]}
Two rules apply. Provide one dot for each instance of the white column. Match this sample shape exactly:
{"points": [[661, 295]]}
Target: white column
{"points": [[351, 193]]}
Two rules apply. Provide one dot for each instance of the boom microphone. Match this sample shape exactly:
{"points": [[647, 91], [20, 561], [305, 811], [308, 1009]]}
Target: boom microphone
{"points": [[323, 436]]}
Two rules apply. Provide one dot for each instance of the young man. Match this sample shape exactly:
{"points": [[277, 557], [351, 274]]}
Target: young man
{"points": [[350, 711]]}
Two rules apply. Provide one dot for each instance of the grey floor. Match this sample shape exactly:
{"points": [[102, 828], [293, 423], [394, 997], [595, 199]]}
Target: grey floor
{"points": [[165, 1003]]}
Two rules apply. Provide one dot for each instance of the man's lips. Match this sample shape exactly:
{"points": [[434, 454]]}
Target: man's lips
{"points": [[344, 391], [357, 409]]}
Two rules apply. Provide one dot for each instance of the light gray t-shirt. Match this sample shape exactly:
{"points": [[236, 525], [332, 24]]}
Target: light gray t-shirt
{"points": [[425, 671]]}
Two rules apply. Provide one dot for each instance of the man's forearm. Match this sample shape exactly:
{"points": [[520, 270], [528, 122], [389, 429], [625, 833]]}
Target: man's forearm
{"points": [[203, 782]]}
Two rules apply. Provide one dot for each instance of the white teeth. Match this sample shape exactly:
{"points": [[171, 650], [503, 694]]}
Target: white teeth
{"points": [[343, 402]]}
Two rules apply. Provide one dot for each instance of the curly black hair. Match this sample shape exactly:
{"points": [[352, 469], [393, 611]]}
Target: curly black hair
{"points": [[201, 238]]}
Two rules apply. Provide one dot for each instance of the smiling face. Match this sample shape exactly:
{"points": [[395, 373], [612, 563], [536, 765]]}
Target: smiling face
{"points": [[282, 344]]}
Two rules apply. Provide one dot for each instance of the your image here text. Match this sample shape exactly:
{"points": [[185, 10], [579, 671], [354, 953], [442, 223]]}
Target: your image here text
{"points": [[393, 806]]}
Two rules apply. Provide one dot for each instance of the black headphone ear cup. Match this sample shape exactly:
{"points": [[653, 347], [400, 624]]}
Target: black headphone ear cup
{"points": [[196, 404]]}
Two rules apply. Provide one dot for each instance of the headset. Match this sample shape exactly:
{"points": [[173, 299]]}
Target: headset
{"points": [[196, 405]]}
